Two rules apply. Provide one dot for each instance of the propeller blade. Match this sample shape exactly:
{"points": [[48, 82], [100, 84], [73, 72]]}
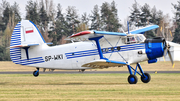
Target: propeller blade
{"points": [[164, 59], [165, 45], [170, 57], [165, 52]]}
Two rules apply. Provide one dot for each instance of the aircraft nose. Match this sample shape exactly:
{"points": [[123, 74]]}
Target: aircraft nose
{"points": [[155, 47]]}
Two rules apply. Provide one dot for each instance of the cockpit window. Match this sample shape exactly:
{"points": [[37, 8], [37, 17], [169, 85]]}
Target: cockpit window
{"points": [[138, 38], [142, 37], [131, 39]]}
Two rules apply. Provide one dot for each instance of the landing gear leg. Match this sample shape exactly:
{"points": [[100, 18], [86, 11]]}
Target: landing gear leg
{"points": [[132, 79], [145, 77], [36, 73]]}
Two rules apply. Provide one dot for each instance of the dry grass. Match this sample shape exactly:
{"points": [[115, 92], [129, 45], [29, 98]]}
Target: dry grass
{"points": [[10, 66], [80, 87], [159, 66], [18, 87]]}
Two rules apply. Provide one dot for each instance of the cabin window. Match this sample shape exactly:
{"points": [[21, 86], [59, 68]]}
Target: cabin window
{"points": [[112, 49], [72, 53], [106, 49], [101, 50], [118, 48]]}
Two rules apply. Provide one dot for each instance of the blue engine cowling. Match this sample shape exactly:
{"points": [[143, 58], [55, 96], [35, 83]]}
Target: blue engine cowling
{"points": [[155, 47]]}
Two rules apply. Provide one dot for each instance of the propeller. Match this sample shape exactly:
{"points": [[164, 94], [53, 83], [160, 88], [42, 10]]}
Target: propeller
{"points": [[167, 51], [167, 48]]}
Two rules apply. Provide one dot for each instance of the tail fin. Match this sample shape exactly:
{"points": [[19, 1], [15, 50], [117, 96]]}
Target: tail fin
{"points": [[25, 34]]}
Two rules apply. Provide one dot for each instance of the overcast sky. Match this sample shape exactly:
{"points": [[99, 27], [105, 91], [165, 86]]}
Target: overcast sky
{"points": [[123, 6]]}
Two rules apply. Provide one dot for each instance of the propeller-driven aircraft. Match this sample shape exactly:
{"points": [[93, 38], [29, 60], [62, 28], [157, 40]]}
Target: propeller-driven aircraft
{"points": [[88, 50]]}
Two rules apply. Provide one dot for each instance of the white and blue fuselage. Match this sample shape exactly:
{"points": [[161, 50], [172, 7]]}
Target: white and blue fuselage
{"points": [[74, 55]]}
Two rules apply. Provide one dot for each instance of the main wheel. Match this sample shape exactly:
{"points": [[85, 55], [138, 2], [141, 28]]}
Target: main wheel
{"points": [[146, 79], [132, 79], [35, 73]]}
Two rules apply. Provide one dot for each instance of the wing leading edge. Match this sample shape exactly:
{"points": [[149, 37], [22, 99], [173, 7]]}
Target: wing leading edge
{"points": [[144, 29], [109, 33]]}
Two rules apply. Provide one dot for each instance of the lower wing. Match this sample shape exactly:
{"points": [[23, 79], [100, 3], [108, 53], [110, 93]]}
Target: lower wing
{"points": [[103, 63]]}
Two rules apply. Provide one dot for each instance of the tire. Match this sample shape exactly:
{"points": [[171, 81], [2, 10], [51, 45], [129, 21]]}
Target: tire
{"points": [[36, 74], [146, 79], [132, 79]]}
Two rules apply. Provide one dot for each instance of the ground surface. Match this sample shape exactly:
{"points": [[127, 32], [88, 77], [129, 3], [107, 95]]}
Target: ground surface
{"points": [[159, 66], [25, 87]]}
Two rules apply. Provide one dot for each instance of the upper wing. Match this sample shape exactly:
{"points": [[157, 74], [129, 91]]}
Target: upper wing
{"points": [[103, 63], [85, 35], [144, 29]]}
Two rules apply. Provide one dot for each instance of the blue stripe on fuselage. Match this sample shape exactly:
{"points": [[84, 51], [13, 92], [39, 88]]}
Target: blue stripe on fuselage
{"points": [[105, 51]]}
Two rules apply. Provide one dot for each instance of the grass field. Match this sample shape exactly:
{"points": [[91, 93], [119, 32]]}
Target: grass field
{"points": [[159, 66], [88, 87], [80, 87]]}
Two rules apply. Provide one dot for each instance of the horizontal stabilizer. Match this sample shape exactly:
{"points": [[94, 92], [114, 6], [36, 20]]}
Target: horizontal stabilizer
{"points": [[103, 63], [144, 29], [24, 45]]}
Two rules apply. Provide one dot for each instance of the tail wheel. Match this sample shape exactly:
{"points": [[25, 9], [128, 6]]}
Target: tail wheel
{"points": [[36, 73], [82, 70], [132, 79], [145, 79]]}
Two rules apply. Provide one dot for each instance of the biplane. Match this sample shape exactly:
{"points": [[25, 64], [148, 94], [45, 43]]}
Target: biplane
{"points": [[89, 50]]}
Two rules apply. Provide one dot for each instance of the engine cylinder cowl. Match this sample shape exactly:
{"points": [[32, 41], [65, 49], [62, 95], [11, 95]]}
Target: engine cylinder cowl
{"points": [[155, 47]]}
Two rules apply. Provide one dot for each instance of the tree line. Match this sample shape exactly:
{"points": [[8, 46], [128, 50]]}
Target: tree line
{"points": [[56, 23]]}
